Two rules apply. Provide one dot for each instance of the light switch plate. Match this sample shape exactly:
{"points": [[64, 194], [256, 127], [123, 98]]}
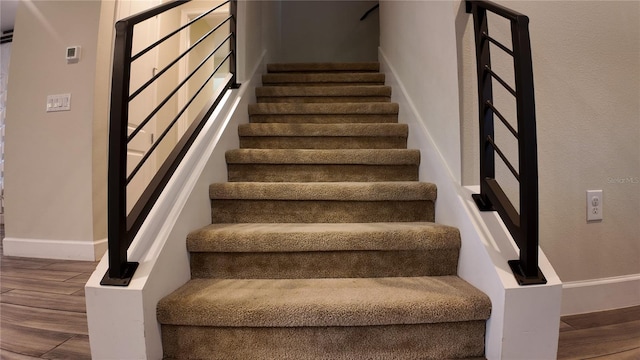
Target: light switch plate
{"points": [[60, 102]]}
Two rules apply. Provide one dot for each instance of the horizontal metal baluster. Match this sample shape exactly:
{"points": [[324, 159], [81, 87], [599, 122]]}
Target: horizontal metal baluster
{"points": [[497, 43], [147, 49], [172, 123], [166, 99], [504, 158], [497, 77], [502, 118], [166, 68]]}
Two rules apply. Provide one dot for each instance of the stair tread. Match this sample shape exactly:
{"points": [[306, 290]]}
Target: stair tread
{"points": [[324, 91], [323, 78], [369, 108], [323, 302], [337, 191], [323, 237], [323, 67], [324, 156], [304, 130]]}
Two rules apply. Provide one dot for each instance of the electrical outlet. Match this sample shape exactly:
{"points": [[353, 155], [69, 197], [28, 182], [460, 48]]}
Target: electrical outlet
{"points": [[594, 205]]}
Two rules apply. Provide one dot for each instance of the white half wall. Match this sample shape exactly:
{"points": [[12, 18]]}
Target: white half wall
{"points": [[122, 320]]}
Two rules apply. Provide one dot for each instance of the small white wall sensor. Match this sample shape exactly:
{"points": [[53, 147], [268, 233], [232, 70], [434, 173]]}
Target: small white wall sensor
{"points": [[73, 54]]}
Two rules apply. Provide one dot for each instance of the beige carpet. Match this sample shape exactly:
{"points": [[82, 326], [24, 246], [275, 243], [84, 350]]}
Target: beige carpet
{"points": [[323, 243]]}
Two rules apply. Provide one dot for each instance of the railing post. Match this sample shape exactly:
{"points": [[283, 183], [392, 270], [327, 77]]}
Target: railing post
{"points": [[233, 9], [485, 93], [527, 154], [120, 271]]}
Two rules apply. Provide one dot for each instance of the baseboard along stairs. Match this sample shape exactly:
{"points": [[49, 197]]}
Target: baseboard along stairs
{"points": [[323, 243]]}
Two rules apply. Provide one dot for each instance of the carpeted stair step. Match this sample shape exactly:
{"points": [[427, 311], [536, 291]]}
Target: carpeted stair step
{"points": [[323, 251], [275, 165], [323, 94], [323, 243], [322, 79], [323, 136], [322, 202], [323, 67], [354, 318], [384, 112]]}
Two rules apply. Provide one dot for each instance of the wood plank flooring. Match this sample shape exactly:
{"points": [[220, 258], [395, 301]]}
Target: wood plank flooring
{"points": [[43, 316], [42, 308], [611, 335]]}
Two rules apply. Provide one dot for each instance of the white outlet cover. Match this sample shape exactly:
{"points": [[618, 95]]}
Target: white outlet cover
{"points": [[594, 205]]}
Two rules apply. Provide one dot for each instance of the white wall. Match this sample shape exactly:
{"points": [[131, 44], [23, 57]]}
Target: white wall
{"points": [[317, 31], [586, 64], [419, 38], [49, 156]]}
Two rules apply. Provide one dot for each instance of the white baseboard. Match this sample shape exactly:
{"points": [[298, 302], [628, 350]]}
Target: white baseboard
{"points": [[90, 250], [579, 297]]}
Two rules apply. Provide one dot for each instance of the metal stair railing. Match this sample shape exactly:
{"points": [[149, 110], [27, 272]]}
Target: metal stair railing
{"points": [[123, 226], [523, 224]]}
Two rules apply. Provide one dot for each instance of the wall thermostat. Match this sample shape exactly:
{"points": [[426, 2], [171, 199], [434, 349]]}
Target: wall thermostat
{"points": [[73, 54]]}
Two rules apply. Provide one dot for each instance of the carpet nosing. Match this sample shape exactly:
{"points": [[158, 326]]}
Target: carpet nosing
{"points": [[329, 295]]}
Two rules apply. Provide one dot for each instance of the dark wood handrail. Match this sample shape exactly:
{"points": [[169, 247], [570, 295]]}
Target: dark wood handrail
{"points": [[523, 224], [123, 227]]}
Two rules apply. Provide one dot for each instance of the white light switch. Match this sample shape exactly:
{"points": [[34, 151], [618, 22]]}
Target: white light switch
{"points": [[61, 102]]}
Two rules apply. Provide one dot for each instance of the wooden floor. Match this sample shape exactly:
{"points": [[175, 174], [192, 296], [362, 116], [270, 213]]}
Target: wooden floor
{"points": [[43, 316], [42, 308], [608, 335]]}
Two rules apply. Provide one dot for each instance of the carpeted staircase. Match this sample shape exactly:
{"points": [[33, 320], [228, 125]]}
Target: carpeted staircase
{"points": [[322, 243]]}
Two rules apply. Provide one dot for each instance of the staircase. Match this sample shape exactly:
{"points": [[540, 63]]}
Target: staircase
{"points": [[323, 243]]}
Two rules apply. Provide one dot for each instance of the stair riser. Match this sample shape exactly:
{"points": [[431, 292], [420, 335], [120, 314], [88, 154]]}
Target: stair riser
{"points": [[324, 119], [323, 67], [320, 211], [332, 91], [367, 79], [322, 99], [320, 173], [326, 264], [312, 83], [323, 142], [420, 341]]}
